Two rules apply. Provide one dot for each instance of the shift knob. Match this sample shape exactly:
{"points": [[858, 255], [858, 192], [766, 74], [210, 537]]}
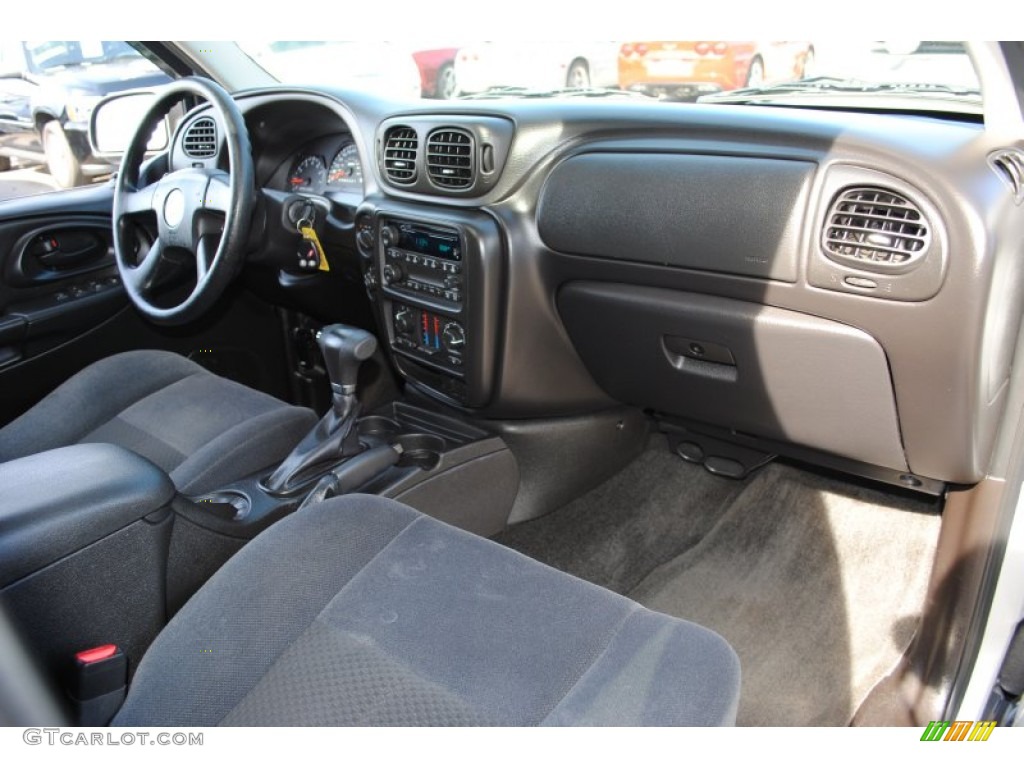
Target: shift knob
{"points": [[344, 349]]}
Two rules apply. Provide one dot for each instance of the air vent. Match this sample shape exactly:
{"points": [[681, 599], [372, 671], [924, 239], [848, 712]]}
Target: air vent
{"points": [[875, 229], [201, 138], [450, 158], [1009, 164], [400, 145]]}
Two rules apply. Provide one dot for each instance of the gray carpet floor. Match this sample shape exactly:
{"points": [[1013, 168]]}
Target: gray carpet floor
{"points": [[644, 516], [816, 582]]}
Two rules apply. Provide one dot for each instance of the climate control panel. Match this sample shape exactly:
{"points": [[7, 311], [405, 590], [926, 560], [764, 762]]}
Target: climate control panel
{"points": [[429, 336]]}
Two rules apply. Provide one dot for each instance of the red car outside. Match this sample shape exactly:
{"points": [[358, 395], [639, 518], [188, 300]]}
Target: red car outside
{"points": [[437, 72], [685, 70]]}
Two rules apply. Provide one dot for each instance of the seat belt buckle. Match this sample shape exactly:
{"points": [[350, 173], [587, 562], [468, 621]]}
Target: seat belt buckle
{"points": [[98, 684]]}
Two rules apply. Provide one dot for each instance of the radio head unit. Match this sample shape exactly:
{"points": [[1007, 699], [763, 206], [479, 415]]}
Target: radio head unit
{"points": [[422, 260], [423, 239]]}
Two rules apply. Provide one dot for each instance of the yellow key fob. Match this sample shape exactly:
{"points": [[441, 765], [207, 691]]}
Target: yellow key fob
{"points": [[309, 235]]}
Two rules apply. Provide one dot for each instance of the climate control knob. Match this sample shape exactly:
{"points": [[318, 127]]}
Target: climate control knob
{"points": [[453, 337], [404, 324]]}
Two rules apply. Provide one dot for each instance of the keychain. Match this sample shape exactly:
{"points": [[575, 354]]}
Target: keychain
{"points": [[312, 254]]}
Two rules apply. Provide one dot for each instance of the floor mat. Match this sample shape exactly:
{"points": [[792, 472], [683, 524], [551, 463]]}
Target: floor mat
{"points": [[817, 584], [619, 532]]}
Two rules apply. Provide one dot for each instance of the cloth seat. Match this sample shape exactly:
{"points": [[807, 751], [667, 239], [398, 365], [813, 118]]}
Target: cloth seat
{"points": [[361, 611], [204, 430]]}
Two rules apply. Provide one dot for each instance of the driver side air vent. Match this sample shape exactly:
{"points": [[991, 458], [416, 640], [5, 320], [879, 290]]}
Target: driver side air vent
{"points": [[450, 158], [875, 229], [1009, 164], [400, 146], [200, 139]]}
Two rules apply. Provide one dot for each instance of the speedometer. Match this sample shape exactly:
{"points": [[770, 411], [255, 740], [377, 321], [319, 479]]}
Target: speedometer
{"points": [[308, 175], [346, 168]]}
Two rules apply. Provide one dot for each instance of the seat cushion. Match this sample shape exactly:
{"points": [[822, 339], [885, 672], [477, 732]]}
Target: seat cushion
{"points": [[361, 611], [204, 430]]}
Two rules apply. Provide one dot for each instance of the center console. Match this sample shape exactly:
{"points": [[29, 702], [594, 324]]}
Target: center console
{"points": [[437, 283]]}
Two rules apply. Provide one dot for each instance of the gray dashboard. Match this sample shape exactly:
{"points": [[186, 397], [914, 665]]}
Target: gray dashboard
{"points": [[847, 283]]}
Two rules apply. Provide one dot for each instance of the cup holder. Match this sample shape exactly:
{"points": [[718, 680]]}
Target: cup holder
{"points": [[422, 451], [228, 505], [378, 426]]}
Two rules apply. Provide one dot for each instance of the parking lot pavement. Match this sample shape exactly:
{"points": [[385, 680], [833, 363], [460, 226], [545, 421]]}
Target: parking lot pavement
{"points": [[21, 182]]}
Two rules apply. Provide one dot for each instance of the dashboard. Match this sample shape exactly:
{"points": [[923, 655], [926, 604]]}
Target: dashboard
{"points": [[844, 287]]}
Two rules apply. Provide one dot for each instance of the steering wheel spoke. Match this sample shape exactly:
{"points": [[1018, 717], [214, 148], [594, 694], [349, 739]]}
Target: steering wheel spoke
{"points": [[133, 202], [206, 250], [218, 194], [141, 276]]}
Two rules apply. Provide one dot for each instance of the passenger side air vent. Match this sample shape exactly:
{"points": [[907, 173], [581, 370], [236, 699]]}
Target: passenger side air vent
{"points": [[400, 146], [875, 229], [1009, 164], [450, 158], [200, 139]]}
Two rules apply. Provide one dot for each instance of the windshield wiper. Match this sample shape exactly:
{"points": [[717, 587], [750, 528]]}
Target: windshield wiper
{"points": [[520, 92], [833, 85]]}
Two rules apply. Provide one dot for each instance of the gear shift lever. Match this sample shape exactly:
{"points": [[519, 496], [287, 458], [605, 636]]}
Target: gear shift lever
{"points": [[344, 349], [333, 438]]}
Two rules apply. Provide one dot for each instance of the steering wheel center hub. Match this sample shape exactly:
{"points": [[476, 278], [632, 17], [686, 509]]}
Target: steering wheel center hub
{"points": [[174, 208]]}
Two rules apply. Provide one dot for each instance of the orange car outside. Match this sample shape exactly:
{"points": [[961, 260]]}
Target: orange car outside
{"points": [[686, 70]]}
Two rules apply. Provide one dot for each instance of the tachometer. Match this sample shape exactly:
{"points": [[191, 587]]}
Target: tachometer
{"points": [[308, 175], [346, 168]]}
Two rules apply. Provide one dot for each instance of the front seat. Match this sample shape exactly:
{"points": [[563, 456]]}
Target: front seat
{"points": [[361, 611], [202, 429]]}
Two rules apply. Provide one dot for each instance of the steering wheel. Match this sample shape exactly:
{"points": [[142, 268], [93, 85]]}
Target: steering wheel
{"points": [[200, 214]]}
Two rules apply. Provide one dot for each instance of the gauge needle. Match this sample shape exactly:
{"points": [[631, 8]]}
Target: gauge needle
{"points": [[297, 180]]}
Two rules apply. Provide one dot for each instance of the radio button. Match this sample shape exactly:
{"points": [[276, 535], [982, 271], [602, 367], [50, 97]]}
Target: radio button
{"points": [[389, 235], [392, 273]]}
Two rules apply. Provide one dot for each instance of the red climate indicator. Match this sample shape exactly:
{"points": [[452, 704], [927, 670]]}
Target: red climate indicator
{"points": [[425, 322]]}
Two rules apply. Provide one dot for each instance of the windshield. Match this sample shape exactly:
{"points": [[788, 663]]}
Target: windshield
{"points": [[60, 54], [902, 74]]}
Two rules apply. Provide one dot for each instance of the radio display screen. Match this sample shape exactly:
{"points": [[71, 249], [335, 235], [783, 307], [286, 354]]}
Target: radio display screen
{"points": [[440, 245]]}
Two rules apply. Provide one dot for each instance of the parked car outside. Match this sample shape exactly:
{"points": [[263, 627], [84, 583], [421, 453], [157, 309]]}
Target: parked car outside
{"points": [[437, 72], [543, 65], [47, 93], [685, 70]]}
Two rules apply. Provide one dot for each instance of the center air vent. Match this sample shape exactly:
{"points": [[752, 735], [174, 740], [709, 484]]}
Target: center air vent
{"points": [[200, 139], [450, 158], [875, 229], [400, 145]]}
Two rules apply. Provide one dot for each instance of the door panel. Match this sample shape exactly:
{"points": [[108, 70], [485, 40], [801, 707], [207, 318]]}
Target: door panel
{"points": [[57, 273]]}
